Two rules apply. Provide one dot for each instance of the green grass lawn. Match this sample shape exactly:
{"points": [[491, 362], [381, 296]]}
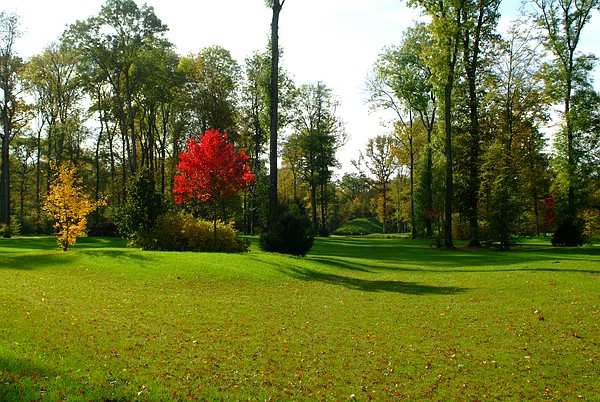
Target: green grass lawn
{"points": [[359, 318]]}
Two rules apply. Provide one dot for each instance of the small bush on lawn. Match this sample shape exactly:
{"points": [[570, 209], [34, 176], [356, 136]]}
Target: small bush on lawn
{"points": [[292, 234], [359, 226], [568, 234], [8, 231], [143, 208], [183, 232]]}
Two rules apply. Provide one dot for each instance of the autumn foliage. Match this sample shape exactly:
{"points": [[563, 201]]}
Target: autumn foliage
{"points": [[69, 205], [211, 170]]}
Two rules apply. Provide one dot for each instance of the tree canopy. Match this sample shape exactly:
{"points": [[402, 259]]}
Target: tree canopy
{"points": [[467, 135]]}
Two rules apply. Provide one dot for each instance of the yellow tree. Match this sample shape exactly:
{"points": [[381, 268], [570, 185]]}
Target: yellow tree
{"points": [[68, 205]]}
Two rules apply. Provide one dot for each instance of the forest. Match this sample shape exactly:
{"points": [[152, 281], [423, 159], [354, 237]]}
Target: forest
{"points": [[468, 153]]}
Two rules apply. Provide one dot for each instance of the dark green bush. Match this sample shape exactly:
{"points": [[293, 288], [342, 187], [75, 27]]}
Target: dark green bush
{"points": [[292, 235], [142, 209], [359, 226], [7, 231], [568, 234]]}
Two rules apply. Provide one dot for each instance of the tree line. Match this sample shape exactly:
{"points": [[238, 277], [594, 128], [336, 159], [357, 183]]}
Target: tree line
{"points": [[471, 106], [465, 156]]}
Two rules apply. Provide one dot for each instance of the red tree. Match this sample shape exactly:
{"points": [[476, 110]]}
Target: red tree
{"points": [[210, 171]]}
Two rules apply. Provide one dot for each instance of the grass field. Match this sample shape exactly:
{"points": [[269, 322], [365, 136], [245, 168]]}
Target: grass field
{"points": [[359, 318]]}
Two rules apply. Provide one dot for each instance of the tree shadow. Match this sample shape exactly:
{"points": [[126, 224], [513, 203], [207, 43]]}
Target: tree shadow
{"points": [[21, 244], [48, 243], [366, 285], [17, 374], [411, 255], [53, 258], [339, 264]]}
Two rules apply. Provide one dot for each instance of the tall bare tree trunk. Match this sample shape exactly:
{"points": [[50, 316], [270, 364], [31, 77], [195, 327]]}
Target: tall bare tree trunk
{"points": [[277, 5]]}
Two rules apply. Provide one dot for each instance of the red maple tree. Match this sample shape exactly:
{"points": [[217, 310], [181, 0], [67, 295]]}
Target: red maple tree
{"points": [[211, 170]]}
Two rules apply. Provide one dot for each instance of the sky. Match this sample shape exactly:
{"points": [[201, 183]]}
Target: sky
{"points": [[334, 41]]}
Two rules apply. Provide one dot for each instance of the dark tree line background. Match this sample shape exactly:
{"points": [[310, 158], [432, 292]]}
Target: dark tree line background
{"points": [[464, 156]]}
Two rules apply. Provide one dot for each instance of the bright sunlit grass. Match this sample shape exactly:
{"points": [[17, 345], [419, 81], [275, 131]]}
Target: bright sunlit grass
{"points": [[358, 318]]}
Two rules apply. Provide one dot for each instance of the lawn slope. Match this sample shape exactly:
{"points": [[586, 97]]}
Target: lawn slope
{"points": [[359, 318]]}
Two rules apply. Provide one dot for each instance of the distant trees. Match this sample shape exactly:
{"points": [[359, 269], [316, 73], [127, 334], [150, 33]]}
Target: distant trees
{"points": [[465, 154], [212, 80], [495, 104], [318, 133], [112, 95], [58, 91], [446, 29], [567, 74], [114, 42], [381, 162], [514, 170], [401, 82]]}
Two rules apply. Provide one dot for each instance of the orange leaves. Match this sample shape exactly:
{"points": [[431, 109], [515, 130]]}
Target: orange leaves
{"points": [[68, 205]]}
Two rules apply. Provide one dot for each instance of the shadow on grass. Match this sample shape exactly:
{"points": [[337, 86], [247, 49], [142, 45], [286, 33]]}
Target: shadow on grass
{"points": [[336, 263], [416, 255], [43, 243], [24, 244], [16, 378], [558, 270], [56, 258], [366, 285], [467, 266]]}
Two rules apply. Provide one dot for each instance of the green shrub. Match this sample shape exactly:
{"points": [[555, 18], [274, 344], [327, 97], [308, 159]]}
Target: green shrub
{"points": [[7, 231], [143, 208], [568, 234], [359, 226], [292, 234], [183, 232], [460, 230], [591, 227], [166, 235]]}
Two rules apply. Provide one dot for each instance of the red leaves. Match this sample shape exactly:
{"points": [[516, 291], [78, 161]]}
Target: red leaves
{"points": [[211, 169], [549, 209]]}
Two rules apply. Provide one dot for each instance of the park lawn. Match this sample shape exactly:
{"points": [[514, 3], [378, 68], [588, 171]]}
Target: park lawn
{"points": [[359, 318]]}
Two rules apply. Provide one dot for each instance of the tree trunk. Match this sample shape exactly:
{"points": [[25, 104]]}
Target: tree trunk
{"points": [[131, 122], [413, 226], [429, 190], [323, 205], [471, 67], [97, 189], [570, 156], [38, 173], [215, 226], [313, 206], [453, 43], [384, 207], [449, 179], [5, 173], [277, 5]]}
